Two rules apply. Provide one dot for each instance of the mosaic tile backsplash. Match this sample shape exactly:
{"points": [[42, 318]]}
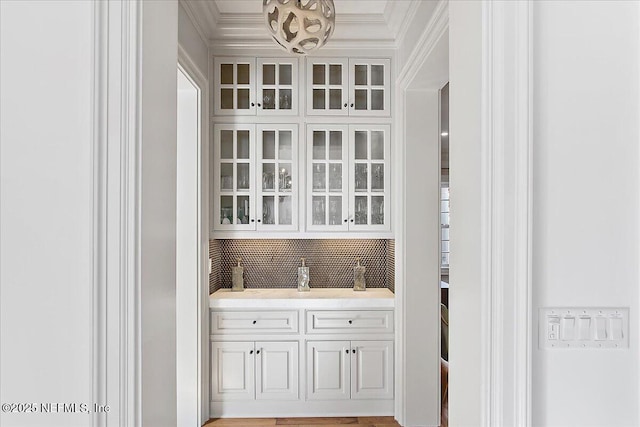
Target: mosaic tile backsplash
{"points": [[274, 263]]}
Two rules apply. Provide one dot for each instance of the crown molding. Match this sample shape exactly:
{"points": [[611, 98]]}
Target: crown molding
{"points": [[204, 15], [186, 6], [399, 15], [437, 26]]}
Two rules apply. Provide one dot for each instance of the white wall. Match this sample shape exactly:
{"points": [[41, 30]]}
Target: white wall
{"points": [[586, 213], [465, 74], [158, 211], [190, 40], [46, 208], [421, 287]]}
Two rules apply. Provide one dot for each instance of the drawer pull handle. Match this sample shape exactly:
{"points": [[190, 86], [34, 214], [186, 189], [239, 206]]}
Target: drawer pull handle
{"points": [[350, 322], [255, 321]]}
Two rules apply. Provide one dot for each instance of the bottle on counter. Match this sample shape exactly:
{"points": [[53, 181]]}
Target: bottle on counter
{"points": [[303, 277], [359, 283], [237, 277]]}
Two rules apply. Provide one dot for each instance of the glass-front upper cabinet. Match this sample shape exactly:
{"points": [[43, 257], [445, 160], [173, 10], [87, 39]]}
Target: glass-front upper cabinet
{"points": [[369, 87], [250, 86], [234, 83], [348, 178], [369, 178], [355, 87], [327, 84], [277, 186], [277, 86], [234, 177], [327, 172]]}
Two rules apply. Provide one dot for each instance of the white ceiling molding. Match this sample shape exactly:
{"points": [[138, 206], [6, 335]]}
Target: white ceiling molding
{"points": [[353, 30]]}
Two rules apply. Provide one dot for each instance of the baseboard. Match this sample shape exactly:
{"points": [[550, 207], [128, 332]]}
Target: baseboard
{"points": [[298, 408]]}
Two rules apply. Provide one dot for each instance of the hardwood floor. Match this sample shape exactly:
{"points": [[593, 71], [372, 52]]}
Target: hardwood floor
{"points": [[304, 422]]}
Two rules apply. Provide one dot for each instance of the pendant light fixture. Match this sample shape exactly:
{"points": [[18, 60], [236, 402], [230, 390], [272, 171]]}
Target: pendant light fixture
{"points": [[300, 26]]}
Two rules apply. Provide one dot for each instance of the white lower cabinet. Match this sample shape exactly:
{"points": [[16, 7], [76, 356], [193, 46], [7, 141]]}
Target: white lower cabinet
{"points": [[297, 362], [254, 371], [349, 370]]}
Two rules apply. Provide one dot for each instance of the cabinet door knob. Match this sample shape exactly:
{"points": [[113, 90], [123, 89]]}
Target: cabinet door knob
{"points": [[353, 351], [347, 351], [255, 321], [345, 105], [253, 220], [352, 105], [350, 322], [253, 104], [352, 220], [346, 220], [259, 105], [259, 220], [257, 351], [251, 352]]}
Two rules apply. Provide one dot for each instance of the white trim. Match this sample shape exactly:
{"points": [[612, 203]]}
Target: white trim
{"points": [[524, 214], [506, 159], [100, 105], [116, 309], [191, 70]]}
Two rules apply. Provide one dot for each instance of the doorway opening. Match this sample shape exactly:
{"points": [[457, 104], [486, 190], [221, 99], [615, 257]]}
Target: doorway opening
{"points": [[444, 255]]}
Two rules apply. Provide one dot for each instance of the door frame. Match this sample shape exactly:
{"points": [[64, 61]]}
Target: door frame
{"points": [[190, 69], [503, 209]]}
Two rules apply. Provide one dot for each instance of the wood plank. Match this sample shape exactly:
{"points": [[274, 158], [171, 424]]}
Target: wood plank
{"points": [[390, 421], [238, 422], [314, 421]]}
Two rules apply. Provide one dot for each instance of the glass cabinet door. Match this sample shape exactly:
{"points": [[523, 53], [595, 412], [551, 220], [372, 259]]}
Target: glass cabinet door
{"points": [[327, 170], [277, 177], [369, 88], [277, 86], [327, 83], [233, 177], [234, 86], [369, 178]]}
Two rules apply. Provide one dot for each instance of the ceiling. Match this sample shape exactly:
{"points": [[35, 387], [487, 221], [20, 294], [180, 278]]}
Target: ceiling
{"points": [[359, 23]]}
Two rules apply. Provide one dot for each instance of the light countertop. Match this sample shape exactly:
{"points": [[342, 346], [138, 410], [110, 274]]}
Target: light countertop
{"points": [[330, 298]]}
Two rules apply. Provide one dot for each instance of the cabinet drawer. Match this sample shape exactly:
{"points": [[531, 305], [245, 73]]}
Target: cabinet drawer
{"points": [[351, 321], [247, 322]]}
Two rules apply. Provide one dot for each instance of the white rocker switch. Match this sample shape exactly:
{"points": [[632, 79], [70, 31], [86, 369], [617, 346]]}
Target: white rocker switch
{"points": [[601, 328], [568, 328], [616, 328], [584, 328], [553, 331]]}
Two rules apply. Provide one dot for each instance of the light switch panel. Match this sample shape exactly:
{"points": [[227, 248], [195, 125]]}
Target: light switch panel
{"points": [[583, 327]]}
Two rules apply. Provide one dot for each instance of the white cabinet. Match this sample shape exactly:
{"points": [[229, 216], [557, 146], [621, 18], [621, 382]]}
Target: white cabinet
{"points": [[255, 177], [348, 182], [254, 371], [349, 370], [250, 86], [355, 87]]}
